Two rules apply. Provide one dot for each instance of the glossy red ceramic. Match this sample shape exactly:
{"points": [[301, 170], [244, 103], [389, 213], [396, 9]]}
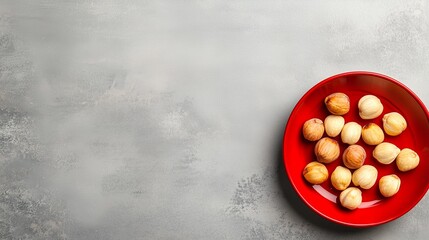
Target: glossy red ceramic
{"points": [[375, 209]]}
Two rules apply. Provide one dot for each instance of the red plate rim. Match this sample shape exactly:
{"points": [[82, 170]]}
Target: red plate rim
{"points": [[345, 74]]}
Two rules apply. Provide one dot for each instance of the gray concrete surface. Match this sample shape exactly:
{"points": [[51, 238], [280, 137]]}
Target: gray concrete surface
{"points": [[163, 119]]}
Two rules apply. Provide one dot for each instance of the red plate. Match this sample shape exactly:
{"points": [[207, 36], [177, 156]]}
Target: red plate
{"points": [[375, 209]]}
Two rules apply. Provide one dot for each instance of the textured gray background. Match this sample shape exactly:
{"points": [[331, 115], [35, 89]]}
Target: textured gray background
{"points": [[127, 119]]}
